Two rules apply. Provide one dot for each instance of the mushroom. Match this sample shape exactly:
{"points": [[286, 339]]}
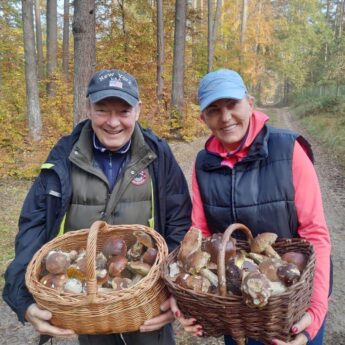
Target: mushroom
{"points": [[195, 282], [57, 262], [149, 257], [174, 270], [269, 268], [296, 258], [101, 261], [101, 276], [121, 283], [73, 285], [190, 244], [262, 244], [277, 288], [143, 240], [114, 246], [233, 278], [116, 265], [256, 289], [288, 274], [73, 271], [212, 246], [138, 267], [196, 263], [54, 281]]}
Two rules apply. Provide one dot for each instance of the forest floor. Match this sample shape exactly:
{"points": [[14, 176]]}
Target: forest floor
{"points": [[332, 182]]}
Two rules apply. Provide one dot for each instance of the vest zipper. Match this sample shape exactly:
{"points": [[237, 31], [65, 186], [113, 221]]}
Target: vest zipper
{"points": [[232, 174]]}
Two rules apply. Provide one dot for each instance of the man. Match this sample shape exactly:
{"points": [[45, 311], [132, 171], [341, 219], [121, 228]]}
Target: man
{"points": [[109, 168]]}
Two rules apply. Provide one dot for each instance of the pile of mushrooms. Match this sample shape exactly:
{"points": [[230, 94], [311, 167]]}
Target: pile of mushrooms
{"points": [[216, 266], [117, 267]]}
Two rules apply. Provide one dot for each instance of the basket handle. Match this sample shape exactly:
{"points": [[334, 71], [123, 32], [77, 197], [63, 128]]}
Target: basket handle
{"points": [[91, 247], [221, 255]]}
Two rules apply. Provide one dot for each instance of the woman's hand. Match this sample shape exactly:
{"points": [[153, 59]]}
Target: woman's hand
{"points": [[297, 328], [39, 319], [189, 325], [161, 320]]}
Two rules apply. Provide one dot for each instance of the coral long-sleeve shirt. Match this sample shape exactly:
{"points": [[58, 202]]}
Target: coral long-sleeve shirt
{"points": [[308, 202]]}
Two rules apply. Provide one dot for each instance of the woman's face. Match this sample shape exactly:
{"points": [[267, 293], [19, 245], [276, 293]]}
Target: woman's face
{"points": [[228, 119]]}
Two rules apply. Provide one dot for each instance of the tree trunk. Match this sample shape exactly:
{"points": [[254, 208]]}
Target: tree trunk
{"points": [[39, 45], [210, 48], [243, 29], [124, 30], [179, 55], [32, 98], [65, 43], [84, 32], [160, 50], [51, 45]]}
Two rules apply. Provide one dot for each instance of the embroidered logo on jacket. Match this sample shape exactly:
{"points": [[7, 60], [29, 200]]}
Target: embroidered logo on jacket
{"points": [[140, 178]]}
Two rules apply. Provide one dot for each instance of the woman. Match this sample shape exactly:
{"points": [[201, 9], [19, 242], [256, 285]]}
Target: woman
{"points": [[263, 177]]}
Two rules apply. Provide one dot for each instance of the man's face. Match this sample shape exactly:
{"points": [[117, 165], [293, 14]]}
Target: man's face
{"points": [[228, 119], [113, 121]]}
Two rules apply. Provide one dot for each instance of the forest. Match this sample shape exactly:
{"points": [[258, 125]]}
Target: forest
{"points": [[290, 53]]}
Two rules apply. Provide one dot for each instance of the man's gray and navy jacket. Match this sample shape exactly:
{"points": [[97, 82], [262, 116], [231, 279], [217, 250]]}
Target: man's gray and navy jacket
{"points": [[49, 200]]}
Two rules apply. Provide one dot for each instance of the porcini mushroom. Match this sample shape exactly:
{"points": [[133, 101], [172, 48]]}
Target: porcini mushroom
{"points": [[73, 285], [143, 240], [296, 258], [54, 281], [195, 282], [114, 246], [121, 283], [288, 274], [138, 267], [149, 257], [262, 244], [269, 268], [190, 244], [256, 289], [116, 265], [212, 246], [57, 262]]}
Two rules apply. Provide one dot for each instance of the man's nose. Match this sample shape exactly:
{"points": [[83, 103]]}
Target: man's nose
{"points": [[113, 119]]}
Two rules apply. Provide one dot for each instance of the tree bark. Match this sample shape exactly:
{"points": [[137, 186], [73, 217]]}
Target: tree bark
{"points": [[39, 44], [84, 32], [51, 45], [160, 50], [243, 29], [65, 42], [210, 45], [32, 97], [177, 97]]}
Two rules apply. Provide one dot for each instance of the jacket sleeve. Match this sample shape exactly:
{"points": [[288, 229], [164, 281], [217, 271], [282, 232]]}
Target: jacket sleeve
{"points": [[31, 236], [175, 203], [312, 227]]}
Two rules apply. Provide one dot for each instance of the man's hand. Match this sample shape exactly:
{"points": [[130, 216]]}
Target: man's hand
{"points": [[297, 328], [39, 319], [161, 320]]}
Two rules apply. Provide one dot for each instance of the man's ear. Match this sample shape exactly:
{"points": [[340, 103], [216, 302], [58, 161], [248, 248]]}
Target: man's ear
{"points": [[88, 109], [137, 111]]}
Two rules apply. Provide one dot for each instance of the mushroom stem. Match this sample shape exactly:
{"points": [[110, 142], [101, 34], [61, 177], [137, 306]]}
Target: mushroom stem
{"points": [[269, 251], [212, 277], [221, 256]]}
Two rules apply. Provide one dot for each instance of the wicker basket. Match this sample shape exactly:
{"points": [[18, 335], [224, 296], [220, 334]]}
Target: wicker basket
{"points": [[96, 312], [229, 315]]}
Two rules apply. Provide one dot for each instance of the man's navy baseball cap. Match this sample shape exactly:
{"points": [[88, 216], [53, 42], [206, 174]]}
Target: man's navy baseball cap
{"points": [[220, 84], [113, 83]]}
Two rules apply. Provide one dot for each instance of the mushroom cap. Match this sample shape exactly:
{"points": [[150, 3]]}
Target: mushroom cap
{"points": [[144, 238], [190, 244], [213, 243], [196, 261], [256, 289], [296, 258], [262, 241], [149, 257], [289, 274], [57, 262], [113, 246], [269, 268], [138, 267], [116, 265]]}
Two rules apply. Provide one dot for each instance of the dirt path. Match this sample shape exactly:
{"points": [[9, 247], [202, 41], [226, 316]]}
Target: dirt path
{"points": [[332, 182]]}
